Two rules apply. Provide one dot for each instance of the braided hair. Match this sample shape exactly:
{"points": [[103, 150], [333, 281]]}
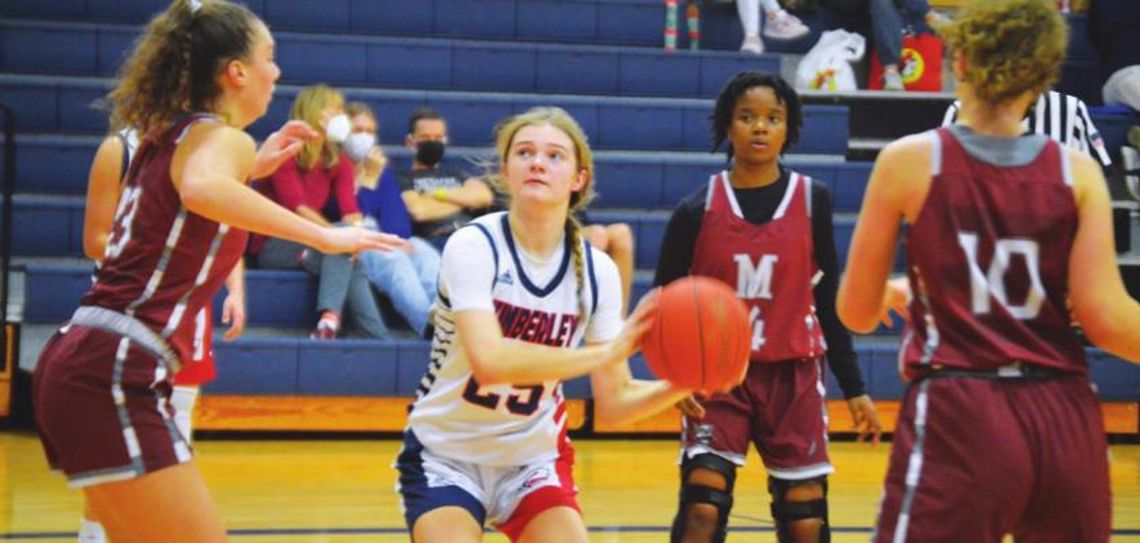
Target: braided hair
{"points": [[584, 159]]}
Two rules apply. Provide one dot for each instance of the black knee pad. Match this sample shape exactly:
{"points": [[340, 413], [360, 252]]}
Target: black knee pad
{"points": [[785, 512], [697, 494]]}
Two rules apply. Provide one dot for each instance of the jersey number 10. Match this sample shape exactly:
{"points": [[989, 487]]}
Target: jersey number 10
{"points": [[991, 283]]}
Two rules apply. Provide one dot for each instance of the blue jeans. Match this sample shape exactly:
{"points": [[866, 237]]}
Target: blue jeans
{"points": [[886, 22], [342, 286], [409, 280]]}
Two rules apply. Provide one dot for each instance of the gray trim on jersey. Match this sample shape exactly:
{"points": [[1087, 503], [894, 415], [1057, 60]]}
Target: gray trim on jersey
{"points": [[203, 272], [179, 442], [127, 326], [163, 262], [1052, 112], [1004, 152], [914, 463], [130, 437], [935, 153]]}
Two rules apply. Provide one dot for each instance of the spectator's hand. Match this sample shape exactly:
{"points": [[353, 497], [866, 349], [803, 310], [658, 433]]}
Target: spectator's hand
{"points": [[375, 161], [280, 146], [354, 239], [866, 419], [896, 298], [233, 314]]}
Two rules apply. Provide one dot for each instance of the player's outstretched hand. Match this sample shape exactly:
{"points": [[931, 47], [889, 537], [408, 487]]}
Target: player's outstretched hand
{"points": [[866, 419], [280, 146], [636, 325], [354, 239], [896, 298]]}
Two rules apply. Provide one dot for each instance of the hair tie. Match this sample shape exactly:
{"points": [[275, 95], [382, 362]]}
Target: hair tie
{"points": [[195, 5]]}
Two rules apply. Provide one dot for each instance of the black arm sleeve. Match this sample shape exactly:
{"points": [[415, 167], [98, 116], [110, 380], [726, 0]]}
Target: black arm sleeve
{"points": [[680, 240], [840, 349]]}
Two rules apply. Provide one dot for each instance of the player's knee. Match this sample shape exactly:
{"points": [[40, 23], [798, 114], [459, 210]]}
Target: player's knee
{"points": [[706, 498], [799, 509]]}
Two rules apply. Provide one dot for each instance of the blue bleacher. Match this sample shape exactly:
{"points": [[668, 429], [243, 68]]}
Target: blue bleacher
{"points": [[98, 50], [629, 23], [64, 105]]}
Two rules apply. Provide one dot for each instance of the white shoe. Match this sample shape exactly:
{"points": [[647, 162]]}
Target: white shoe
{"points": [[892, 81], [752, 44], [785, 26]]}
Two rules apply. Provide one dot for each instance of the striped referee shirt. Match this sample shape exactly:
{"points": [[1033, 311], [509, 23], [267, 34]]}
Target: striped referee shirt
{"points": [[1063, 118]]}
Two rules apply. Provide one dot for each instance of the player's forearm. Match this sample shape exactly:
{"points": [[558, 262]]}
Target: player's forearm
{"points": [[634, 400], [226, 200], [518, 362]]}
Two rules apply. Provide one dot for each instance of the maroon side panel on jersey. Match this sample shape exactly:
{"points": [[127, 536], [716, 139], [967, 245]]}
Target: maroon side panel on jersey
{"points": [[989, 259], [163, 263], [770, 266]]}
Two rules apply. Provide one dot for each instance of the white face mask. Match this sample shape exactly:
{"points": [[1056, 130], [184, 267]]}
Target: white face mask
{"points": [[338, 128], [357, 145]]}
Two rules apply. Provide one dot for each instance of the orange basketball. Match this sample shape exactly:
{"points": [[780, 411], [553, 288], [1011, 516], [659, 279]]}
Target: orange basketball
{"points": [[701, 337]]}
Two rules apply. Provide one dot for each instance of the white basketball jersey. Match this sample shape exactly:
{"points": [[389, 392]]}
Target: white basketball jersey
{"points": [[505, 425]]}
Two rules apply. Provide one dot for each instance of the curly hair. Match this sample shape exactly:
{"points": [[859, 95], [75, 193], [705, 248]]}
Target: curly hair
{"points": [[174, 66], [1010, 47]]}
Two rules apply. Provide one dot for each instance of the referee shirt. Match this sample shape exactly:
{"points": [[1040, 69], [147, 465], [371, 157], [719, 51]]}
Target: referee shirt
{"points": [[1063, 118]]}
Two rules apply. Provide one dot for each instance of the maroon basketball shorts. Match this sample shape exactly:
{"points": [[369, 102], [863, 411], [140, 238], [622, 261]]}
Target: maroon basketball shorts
{"points": [[779, 408], [102, 407], [978, 457]]}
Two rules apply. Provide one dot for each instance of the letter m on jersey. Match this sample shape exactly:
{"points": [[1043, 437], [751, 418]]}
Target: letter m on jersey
{"points": [[754, 281]]}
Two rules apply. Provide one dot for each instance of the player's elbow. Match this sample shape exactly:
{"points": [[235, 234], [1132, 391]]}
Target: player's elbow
{"points": [[854, 318], [1112, 328], [485, 371], [93, 245]]}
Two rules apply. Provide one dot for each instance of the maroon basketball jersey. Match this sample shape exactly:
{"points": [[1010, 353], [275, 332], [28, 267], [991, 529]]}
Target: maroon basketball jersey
{"points": [[988, 257], [162, 263], [770, 265]]}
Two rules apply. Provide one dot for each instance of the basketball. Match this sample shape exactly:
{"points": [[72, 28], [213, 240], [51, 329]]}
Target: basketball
{"points": [[700, 337]]}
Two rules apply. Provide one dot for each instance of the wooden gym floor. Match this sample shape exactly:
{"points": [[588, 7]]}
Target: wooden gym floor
{"points": [[343, 491]]}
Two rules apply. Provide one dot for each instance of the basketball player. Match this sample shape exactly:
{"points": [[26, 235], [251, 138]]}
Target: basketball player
{"points": [[766, 231], [104, 185], [1000, 432], [200, 73], [518, 291]]}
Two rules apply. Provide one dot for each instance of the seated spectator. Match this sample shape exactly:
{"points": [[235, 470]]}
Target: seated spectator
{"points": [[305, 185], [616, 240], [439, 199], [778, 24], [1112, 30], [408, 277], [885, 19]]}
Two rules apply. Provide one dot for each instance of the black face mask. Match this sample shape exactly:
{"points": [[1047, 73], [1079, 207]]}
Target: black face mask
{"points": [[429, 153]]}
